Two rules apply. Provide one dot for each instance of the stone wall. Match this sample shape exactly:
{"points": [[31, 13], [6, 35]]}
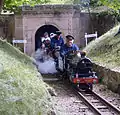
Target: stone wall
{"points": [[64, 17], [67, 18], [7, 27], [103, 22], [3, 26], [109, 77]]}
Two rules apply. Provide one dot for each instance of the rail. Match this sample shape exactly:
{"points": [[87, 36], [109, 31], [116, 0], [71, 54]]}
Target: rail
{"points": [[96, 103]]}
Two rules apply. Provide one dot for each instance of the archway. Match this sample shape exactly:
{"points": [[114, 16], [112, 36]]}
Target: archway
{"points": [[40, 32]]}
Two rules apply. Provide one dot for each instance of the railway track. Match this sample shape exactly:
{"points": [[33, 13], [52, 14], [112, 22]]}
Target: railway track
{"points": [[96, 103]]}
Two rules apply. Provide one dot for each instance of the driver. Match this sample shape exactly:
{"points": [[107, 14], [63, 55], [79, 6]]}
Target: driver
{"points": [[69, 47]]}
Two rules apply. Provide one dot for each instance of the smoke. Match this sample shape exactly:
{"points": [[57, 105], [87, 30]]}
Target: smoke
{"points": [[48, 66], [44, 63]]}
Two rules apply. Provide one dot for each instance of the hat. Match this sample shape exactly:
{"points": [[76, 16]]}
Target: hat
{"points": [[58, 32], [52, 35], [69, 37]]}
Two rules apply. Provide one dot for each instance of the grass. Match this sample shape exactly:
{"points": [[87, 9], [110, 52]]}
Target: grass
{"points": [[22, 91], [106, 49]]}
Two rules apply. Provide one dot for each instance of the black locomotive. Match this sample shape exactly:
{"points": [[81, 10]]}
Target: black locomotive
{"points": [[81, 73]]}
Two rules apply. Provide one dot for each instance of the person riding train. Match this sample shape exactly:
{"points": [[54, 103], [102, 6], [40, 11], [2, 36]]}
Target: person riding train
{"points": [[46, 39], [56, 43], [81, 73], [67, 48], [46, 42]]}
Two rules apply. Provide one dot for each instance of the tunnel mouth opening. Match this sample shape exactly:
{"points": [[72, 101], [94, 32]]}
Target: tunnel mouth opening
{"points": [[40, 32]]}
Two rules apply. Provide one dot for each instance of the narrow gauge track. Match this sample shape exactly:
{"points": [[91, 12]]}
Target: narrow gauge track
{"points": [[96, 103], [66, 101]]}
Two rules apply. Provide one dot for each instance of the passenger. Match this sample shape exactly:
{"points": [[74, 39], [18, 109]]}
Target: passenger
{"points": [[67, 48], [57, 40], [52, 35], [56, 43], [46, 37], [46, 42]]}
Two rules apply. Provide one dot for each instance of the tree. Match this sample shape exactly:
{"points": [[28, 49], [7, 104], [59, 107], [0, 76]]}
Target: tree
{"points": [[95, 3], [114, 4], [12, 5]]}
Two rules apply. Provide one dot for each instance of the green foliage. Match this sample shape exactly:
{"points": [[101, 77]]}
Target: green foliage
{"points": [[112, 13], [114, 4], [95, 3], [22, 91], [115, 14], [13, 5], [106, 49]]}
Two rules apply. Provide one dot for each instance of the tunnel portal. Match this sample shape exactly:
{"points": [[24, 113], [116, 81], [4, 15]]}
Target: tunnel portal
{"points": [[40, 32]]}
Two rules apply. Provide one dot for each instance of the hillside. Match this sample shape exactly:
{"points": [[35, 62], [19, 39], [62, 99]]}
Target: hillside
{"points": [[22, 90], [106, 49]]}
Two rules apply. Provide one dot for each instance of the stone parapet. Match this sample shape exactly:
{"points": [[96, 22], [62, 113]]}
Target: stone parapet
{"points": [[109, 77], [49, 8]]}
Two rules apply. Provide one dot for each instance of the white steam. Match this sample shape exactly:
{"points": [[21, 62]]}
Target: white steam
{"points": [[44, 63], [48, 66]]}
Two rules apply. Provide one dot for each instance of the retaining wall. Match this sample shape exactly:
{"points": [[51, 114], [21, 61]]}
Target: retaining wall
{"points": [[108, 77]]}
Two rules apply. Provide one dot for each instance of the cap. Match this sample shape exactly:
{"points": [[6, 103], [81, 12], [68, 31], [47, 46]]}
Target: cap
{"points": [[69, 37], [58, 32]]}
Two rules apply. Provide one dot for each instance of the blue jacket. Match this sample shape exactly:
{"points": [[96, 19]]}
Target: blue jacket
{"points": [[65, 49], [57, 42]]}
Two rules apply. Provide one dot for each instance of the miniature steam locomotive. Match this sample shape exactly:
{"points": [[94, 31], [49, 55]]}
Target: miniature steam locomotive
{"points": [[81, 73]]}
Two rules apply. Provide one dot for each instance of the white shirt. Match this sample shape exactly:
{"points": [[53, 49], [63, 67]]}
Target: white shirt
{"points": [[43, 38]]}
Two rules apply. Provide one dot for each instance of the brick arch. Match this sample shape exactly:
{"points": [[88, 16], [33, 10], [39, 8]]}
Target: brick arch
{"points": [[40, 32]]}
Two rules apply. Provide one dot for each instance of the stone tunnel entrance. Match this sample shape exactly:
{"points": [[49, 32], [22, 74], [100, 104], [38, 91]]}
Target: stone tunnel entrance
{"points": [[40, 32], [36, 20]]}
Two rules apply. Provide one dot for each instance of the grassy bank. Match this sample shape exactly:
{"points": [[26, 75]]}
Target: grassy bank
{"points": [[22, 92], [106, 49]]}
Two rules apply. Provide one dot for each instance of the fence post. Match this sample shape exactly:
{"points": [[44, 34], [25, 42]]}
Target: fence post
{"points": [[86, 39], [20, 41], [90, 36], [96, 34]]}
